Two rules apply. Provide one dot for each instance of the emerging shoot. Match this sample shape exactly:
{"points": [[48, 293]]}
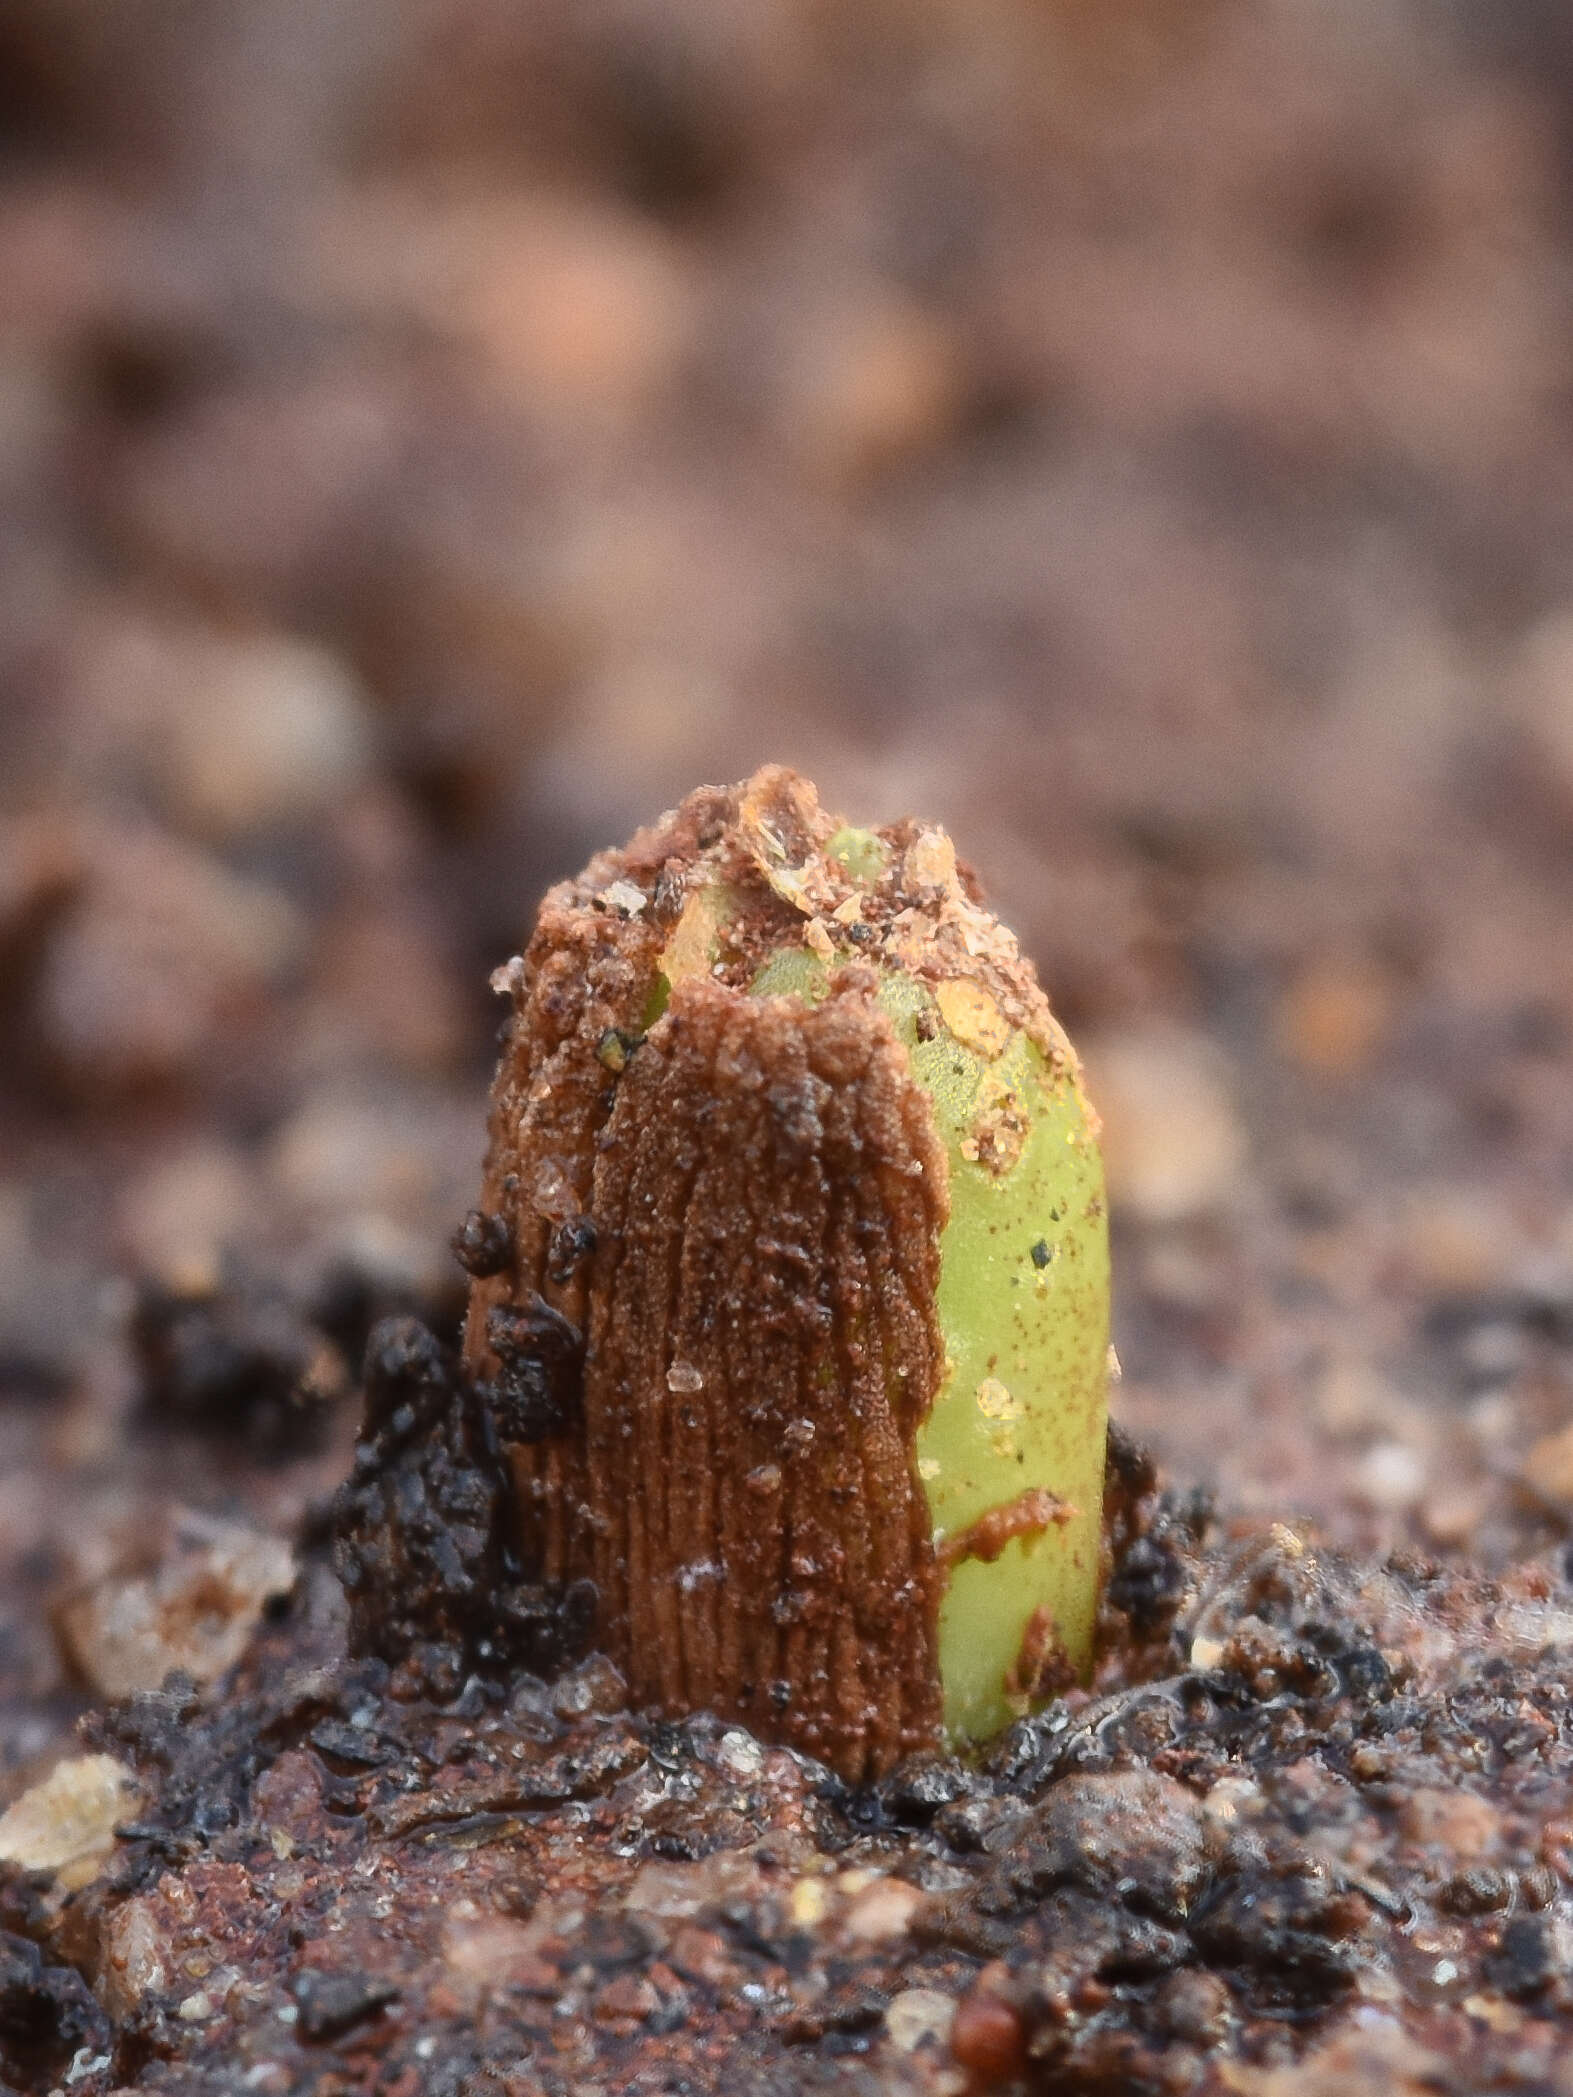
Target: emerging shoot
{"points": [[791, 1281]]}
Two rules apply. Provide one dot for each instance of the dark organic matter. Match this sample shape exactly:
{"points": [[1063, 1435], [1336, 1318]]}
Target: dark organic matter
{"points": [[423, 1529]]}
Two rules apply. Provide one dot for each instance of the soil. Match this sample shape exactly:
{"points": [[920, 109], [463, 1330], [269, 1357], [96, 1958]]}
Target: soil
{"points": [[1135, 436], [1310, 1830]]}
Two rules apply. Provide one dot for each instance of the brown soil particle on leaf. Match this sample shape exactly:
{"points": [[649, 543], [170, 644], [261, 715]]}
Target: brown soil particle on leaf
{"points": [[1028, 1515], [1042, 1667]]}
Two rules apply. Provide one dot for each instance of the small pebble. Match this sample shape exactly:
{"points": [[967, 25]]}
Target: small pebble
{"points": [[1391, 1477], [579, 313], [917, 2015], [1335, 1016], [1173, 1144], [194, 1611], [870, 383], [269, 731], [65, 1824], [1548, 1470], [1457, 1822], [1459, 1240], [178, 1217], [163, 956], [1195, 2007], [988, 2036]]}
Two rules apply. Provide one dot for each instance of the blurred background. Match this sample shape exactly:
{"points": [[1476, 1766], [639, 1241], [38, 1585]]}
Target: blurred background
{"points": [[434, 434]]}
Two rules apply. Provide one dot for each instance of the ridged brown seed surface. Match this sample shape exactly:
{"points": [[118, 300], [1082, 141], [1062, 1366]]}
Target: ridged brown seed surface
{"points": [[585, 978], [581, 987], [762, 1350]]}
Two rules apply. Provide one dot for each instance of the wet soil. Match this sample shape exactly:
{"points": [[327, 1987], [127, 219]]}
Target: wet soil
{"points": [[1312, 1828]]}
